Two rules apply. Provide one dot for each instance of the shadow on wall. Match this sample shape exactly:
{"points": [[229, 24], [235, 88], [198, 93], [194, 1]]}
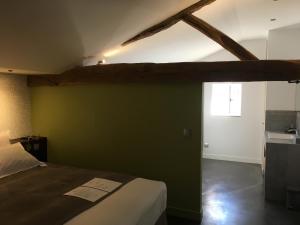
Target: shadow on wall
{"points": [[39, 36]]}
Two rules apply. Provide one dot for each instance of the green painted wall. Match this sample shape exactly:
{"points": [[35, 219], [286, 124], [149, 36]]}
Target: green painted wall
{"points": [[130, 128]]}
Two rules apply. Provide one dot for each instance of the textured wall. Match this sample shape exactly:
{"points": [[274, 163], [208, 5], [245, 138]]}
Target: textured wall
{"points": [[135, 129], [15, 107]]}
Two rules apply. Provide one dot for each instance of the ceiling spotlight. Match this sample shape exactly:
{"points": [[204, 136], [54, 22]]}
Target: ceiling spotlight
{"points": [[103, 61]]}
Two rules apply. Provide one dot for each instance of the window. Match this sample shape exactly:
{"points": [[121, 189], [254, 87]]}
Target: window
{"points": [[226, 99]]}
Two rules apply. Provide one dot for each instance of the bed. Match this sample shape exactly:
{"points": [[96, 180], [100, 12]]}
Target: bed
{"points": [[37, 195]]}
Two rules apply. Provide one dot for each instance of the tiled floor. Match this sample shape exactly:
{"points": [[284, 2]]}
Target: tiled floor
{"points": [[233, 194]]}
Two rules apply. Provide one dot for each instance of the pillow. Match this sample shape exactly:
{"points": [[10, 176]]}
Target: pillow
{"points": [[14, 159], [4, 138]]}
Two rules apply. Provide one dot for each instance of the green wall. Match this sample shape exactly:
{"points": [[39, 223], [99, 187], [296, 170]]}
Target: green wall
{"points": [[130, 128]]}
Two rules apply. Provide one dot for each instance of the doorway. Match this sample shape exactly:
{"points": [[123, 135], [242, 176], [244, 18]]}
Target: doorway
{"points": [[233, 121], [233, 146]]}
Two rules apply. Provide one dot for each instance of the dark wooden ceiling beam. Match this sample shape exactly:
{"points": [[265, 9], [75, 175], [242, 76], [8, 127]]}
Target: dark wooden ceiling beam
{"points": [[219, 37], [261, 70], [199, 24], [169, 21]]}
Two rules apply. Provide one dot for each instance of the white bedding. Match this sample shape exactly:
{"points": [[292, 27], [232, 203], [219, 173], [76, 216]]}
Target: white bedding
{"points": [[14, 158], [140, 202]]}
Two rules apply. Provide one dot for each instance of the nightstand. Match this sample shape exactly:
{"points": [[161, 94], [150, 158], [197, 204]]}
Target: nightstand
{"points": [[35, 145]]}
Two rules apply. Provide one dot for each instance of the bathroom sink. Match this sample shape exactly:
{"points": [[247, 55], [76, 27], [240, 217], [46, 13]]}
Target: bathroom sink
{"points": [[282, 136]]}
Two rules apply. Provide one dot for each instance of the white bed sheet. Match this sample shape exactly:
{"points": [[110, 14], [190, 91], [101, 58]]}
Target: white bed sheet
{"points": [[140, 202]]}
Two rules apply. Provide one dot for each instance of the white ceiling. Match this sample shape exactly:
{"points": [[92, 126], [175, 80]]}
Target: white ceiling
{"points": [[42, 36]]}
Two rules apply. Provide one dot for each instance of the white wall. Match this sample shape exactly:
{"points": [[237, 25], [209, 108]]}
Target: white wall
{"points": [[283, 44], [240, 139], [15, 108], [256, 46], [237, 138], [297, 98], [281, 95]]}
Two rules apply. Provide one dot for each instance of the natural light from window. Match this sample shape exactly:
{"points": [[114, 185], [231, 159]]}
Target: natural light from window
{"points": [[226, 99]]}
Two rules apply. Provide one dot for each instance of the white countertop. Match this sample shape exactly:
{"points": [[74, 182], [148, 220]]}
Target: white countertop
{"points": [[288, 139]]}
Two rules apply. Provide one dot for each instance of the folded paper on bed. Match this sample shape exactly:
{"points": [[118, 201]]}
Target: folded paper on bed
{"points": [[87, 193], [102, 184], [94, 189]]}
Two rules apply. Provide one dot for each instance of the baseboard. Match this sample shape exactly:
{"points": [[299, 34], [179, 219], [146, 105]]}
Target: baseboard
{"points": [[231, 158], [185, 213]]}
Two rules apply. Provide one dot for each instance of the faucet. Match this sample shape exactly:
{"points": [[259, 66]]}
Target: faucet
{"points": [[293, 131]]}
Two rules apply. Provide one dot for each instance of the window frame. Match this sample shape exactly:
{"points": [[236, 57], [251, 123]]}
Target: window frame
{"points": [[229, 100]]}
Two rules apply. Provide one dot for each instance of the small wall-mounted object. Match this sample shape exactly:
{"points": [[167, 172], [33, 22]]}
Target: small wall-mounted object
{"points": [[206, 145], [35, 145], [187, 132]]}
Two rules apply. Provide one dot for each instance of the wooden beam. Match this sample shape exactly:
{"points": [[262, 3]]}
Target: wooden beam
{"points": [[219, 37], [167, 23], [260, 70]]}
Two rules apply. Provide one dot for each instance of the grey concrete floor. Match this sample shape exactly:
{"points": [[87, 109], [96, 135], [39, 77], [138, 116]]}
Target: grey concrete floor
{"points": [[233, 194]]}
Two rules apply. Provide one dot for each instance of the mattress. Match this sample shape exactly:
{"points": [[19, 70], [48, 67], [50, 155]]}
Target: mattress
{"points": [[37, 196], [140, 202]]}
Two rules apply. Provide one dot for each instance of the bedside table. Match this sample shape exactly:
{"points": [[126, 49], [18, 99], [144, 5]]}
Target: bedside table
{"points": [[35, 145]]}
